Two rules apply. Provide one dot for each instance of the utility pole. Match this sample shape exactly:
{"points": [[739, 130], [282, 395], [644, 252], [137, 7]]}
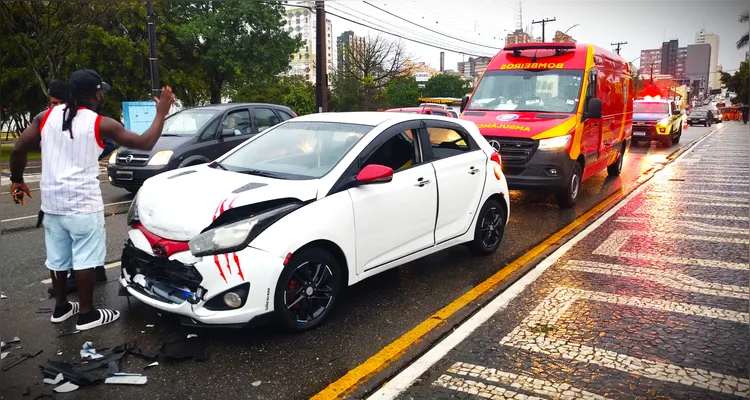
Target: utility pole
{"points": [[619, 45], [543, 22], [155, 86], [321, 75]]}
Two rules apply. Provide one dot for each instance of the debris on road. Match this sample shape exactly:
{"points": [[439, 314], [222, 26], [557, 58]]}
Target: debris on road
{"points": [[153, 364], [21, 358], [70, 372], [191, 335], [89, 352], [59, 352], [257, 383], [16, 339], [44, 311], [68, 334], [2, 296], [150, 326], [59, 378], [66, 387], [3, 355], [192, 347], [126, 379]]}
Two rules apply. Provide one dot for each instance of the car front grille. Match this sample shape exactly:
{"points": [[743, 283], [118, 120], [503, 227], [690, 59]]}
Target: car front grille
{"points": [[513, 150], [132, 160], [136, 261]]}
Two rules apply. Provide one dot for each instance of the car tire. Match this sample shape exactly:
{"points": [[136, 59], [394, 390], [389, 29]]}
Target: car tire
{"points": [[133, 190], [616, 167], [667, 140], [567, 197], [298, 295], [489, 230]]}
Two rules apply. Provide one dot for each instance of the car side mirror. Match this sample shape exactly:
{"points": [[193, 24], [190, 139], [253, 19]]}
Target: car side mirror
{"points": [[464, 102], [594, 108], [375, 173], [227, 132]]}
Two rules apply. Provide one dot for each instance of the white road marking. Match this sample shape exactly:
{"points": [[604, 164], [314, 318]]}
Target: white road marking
{"points": [[671, 279], [612, 247], [689, 224], [702, 191], [694, 196], [528, 383], [712, 216], [35, 216], [555, 306], [106, 266], [700, 203]]}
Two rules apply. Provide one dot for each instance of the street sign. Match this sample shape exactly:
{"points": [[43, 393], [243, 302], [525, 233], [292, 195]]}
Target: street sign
{"points": [[138, 115], [422, 76], [421, 85]]}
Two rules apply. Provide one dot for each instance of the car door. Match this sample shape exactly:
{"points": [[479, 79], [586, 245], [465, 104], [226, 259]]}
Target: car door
{"points": [[460, 168], [592, 132], [395, 219], [265, 118], [235, 129]]}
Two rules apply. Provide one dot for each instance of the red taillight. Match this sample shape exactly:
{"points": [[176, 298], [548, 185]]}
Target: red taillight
{"points": [[287, 258], [496, 158]]}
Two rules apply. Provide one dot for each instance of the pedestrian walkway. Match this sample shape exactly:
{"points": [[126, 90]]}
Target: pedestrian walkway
{"points": [[650, 301]]}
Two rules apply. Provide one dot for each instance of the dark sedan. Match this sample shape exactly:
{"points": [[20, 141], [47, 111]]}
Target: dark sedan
{"points": [[194, 136], [700, 117]]}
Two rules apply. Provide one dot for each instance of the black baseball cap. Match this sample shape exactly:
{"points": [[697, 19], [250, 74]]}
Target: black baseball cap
{"points": [[59, 90], [87, 82]]}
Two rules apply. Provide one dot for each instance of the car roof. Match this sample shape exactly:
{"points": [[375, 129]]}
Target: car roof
{"points": [[373, 118], [224, 106]]}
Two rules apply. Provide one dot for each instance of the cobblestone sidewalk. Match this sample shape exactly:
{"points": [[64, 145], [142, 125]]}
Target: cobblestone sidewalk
{"points": [[653, 303]]}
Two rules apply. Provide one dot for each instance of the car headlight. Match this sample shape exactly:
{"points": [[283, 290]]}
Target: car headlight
{"points": [[132, 217], [237, 235], [113, 157], [554, 143], [664, 122], [161, 158]]}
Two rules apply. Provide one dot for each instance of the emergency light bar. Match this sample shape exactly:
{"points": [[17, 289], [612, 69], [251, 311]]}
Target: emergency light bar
{"points": [[559, 48]]}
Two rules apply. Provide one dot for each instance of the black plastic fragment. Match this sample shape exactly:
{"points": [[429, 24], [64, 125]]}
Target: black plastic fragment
{"points": [[194, 348]]}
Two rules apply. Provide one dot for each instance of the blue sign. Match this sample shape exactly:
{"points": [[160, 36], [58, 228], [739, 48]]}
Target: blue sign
{"points": [[138, 115], [507, 117]]}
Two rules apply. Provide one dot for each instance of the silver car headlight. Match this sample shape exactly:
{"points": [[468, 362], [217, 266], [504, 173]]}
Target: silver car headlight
{"points": [[236, 236], [132, 217]]}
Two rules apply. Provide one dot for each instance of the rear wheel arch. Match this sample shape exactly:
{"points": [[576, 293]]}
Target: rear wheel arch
{"points": [[500, 199]]}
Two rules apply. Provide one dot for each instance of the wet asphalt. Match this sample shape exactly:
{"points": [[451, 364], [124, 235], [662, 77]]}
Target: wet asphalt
{"points": [[264, 362]]}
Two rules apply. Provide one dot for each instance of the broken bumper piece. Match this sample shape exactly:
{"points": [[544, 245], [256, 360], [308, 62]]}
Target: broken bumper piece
{"points": [[192, 287]]}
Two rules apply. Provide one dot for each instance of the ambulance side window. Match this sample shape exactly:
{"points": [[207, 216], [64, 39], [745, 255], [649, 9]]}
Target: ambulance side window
{"points": [[591, 89]]}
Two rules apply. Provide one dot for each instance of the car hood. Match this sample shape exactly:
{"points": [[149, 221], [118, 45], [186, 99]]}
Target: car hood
{"points": [[520, 124], [179, 204], [648, 116], [164, 143]]}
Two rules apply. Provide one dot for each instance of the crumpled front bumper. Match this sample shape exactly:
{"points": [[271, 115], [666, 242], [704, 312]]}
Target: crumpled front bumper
{"points": [[182, 284]]}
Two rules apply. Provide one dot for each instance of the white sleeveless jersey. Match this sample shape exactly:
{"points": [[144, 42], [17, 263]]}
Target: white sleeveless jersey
{"points": [[70, 166]]}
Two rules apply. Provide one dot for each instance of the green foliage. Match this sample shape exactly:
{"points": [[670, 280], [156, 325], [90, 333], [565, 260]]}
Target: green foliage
{"points": [[402, 92], [739, 83], [446, 86], [294, 92]]}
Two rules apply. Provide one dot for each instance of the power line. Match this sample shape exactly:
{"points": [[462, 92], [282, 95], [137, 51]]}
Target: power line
{"points": [[431, 30], [544, 23], [366, 19], [618, 45], [405, 38]]}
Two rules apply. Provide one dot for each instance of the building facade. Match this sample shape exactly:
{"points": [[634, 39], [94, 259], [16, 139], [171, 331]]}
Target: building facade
{"points": [[410, 68], [347, 44], [561, 37], [698, 67], [474, 67], [519, 36], [301, 21], [703, 37], [650, 61]]}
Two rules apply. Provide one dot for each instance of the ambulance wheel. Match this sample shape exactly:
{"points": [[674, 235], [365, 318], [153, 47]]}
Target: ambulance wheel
{"points": [[566, 197], [616, 167]]}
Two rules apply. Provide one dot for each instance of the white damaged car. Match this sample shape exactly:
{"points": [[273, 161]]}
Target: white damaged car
{"points": [[280, 225]]}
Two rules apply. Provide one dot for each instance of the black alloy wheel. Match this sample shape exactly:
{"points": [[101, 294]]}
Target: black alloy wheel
{"points": [[567, 197], [489, 229], [307, 289], [616, 167]]}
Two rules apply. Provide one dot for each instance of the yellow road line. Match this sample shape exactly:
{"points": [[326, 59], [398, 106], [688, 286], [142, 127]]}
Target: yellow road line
{"points": [[393, 351]]}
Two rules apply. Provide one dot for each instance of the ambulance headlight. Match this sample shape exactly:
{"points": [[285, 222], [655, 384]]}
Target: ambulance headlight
{"points": [[664, 122], [554, 143]]}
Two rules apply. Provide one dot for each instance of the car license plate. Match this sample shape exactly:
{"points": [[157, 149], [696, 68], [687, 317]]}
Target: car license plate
{"points": [[637, 133], [640, 123], [124, 175]]}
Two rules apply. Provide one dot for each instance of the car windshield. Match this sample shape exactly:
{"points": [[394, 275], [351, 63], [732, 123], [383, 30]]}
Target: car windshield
{"points": [[698, 113], [296, 150], [528, 90], [188, 122], [643, 107]]}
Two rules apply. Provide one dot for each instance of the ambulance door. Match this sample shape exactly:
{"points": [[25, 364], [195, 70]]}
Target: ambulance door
{"points": [[608, 94], [591, 139]]}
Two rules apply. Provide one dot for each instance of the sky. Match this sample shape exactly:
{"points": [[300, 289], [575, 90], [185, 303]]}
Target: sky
{"points": [[480, 26]]}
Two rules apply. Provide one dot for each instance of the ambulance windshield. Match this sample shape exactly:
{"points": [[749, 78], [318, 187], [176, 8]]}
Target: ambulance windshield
{"points": [[528, 90]]}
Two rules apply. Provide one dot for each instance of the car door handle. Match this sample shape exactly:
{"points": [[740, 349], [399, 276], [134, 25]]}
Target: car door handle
{"points": [[421, 182], [473, 170]]}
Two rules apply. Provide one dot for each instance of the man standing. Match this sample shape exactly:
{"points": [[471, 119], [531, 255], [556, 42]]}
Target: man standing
{"points": [[59, 92], [71, 140]]}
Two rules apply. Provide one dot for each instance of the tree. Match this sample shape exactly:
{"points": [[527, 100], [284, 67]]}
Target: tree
{"points": [[360, 82], [234, 42], [294, 92], [446, 86], [744, 39], [402, 92], [739, 83]]}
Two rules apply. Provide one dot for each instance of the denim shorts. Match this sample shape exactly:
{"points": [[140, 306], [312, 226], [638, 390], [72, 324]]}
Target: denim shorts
{"points": [[74, 241]]}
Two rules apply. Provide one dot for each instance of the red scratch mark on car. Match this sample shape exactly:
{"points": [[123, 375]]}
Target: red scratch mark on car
{"points": [[229, 265], [218, 265], [239, 269]]}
